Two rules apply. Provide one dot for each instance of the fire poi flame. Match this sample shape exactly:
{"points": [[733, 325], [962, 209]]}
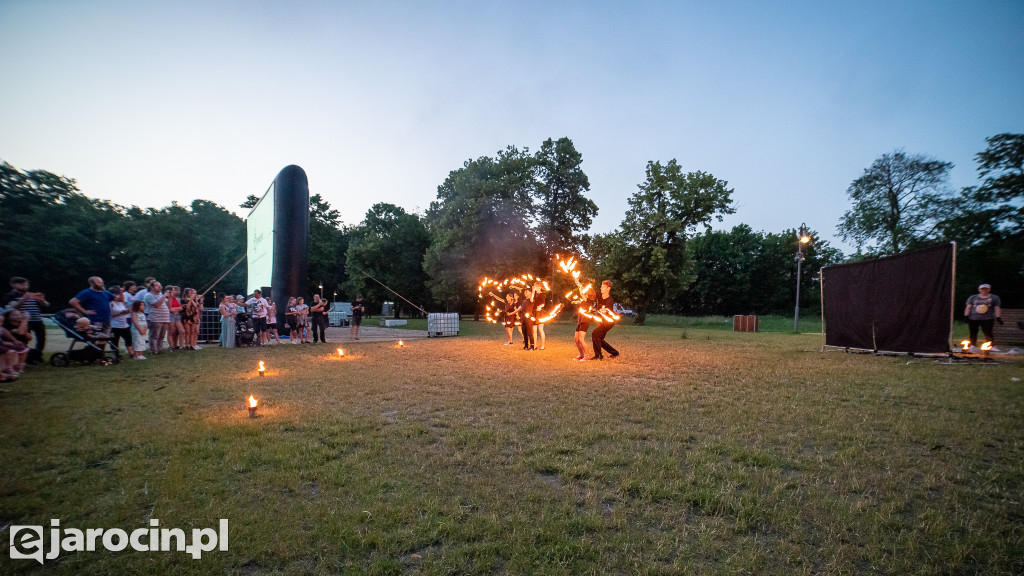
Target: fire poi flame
{"points": [[577, 296]]}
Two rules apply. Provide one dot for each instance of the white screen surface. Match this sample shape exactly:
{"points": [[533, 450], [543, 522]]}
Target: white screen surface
{"points": [[259, 228]]}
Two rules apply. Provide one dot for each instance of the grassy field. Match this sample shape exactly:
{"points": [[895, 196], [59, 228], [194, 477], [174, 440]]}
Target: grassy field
{"points": [[718, 453]]}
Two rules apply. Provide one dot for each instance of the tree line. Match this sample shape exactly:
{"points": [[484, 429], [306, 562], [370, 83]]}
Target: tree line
{"points": [[513, 213]]}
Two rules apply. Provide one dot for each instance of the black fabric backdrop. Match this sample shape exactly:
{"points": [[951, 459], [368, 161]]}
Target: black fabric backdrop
{"points": [[902, 303]]}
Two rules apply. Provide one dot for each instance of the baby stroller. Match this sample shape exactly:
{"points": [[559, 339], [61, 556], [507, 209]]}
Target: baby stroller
{"points": [[91, 349], [245, 335]]}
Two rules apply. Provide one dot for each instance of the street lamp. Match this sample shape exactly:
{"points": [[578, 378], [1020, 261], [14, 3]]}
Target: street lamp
{"points": [[804, 236]]}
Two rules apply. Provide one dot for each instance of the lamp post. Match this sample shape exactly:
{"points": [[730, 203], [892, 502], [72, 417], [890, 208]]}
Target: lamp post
{"points": [[804, 237]]}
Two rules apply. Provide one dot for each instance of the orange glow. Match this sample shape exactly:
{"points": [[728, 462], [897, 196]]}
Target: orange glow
{"points": [[252, 401], [966, 345], [400, 343], [262, 368], [805, 239], [986, 346], [341, 352]]}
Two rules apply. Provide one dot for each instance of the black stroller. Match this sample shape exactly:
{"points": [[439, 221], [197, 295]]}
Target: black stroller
{"points": [[90, 350], [245, 335]]}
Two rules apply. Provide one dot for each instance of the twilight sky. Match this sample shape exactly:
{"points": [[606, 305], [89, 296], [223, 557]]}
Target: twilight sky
{"points": [[151, 102]]}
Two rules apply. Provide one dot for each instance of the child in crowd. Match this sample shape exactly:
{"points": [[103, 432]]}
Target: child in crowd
{"points": [[139, 328]]}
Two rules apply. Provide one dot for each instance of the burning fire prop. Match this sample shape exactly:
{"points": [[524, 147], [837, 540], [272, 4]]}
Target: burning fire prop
{"points": [[496, 306], [341, 353], [579, 296], [262, 369], [498, 290], [252, 406]]}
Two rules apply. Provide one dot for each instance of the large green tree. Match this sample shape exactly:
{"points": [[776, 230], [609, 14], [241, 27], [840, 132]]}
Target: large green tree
{"points": [[480, 226], [898, 203], [649, 256], [74, 237], [564, 213], [388, 245], [987, 222]]}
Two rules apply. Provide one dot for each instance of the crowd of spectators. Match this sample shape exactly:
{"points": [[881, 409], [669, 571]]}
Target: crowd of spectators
{"points": [[147, 319]]}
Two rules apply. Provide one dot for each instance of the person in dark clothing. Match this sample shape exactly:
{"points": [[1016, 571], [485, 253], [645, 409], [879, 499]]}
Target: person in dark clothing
{"points": [[585, 307], [31, 303], [318, 316], [604, 303], [525, 312], [357, 317], [510, 317]]}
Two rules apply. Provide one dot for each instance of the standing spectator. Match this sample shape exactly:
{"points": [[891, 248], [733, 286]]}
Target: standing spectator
{"points": [[982, 311], [191, 309], [120, 322], [94, 303], [292, 319], [302, 313], [129, 288], [139, 328], [258, 305], [357, 317], [317, 318], [272, 322], [158, 315], [227, 321], [175, 329], [31, 303]]}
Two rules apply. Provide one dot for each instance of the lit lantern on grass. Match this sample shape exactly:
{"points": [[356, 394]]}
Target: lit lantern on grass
{"points": [[262, 369], [252, 406]]}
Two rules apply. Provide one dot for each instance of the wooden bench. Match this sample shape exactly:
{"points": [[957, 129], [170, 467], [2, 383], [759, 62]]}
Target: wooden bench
{"points": [[1009, 334]]}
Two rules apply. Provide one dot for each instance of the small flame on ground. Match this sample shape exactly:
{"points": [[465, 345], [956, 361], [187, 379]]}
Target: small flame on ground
{"points": [[252, 401], [341, 352], [966, 345], [262, 367], [986, 346], [400, 343]]}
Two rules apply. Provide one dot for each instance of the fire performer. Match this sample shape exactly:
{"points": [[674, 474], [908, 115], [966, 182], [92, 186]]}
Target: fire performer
{"points": [[982, 311], [604, 303], [583, 322], [525, 312], [539, 300], [510, 317]]}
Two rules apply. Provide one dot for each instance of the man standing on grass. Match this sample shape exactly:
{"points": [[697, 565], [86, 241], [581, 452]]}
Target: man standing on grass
{"points": [[357, 317], [94, 303], [258, 305], [604, 302], [982, 311]]}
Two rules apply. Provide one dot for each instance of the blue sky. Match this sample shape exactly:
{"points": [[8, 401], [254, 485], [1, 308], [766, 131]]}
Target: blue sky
{"points": [[151, 102]]}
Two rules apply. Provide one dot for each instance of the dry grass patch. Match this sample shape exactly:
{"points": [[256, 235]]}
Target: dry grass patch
{"points": [[720, 453]]}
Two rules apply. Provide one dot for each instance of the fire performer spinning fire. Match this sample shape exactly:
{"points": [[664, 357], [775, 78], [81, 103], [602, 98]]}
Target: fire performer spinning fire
{"points": [[605, 307], [510, 316], [586, 306], [525, 311], [539, 301]]}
